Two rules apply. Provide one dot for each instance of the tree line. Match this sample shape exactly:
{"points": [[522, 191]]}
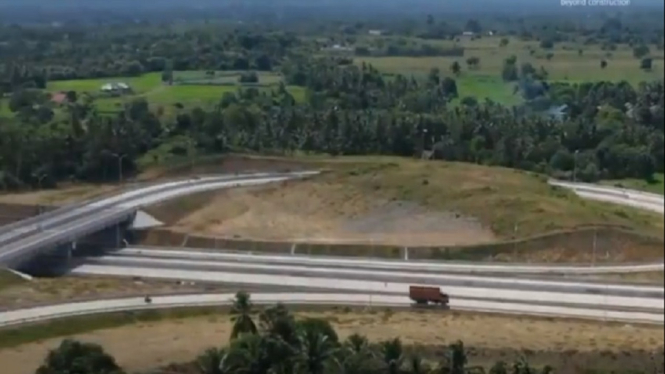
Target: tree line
{"points": [[278, 343], [608, 130]]}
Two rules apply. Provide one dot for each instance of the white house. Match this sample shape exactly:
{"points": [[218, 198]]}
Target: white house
{"points": [[115, 87]]}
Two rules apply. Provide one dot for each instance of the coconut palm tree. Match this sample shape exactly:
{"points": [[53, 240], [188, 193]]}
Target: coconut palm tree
{"points": [[241, 311], [392, 354], [248, 354], [458, 359], [417, 366], [276, 321], [357, 343], [211, 361], [317, 351], [357, 357], [77, 358]]}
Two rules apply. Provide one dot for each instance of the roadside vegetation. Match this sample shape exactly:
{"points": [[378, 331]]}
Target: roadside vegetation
{"points": [[9, 279], [276, 339]]}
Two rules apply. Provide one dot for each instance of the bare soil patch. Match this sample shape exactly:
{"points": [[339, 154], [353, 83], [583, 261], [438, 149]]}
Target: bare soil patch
{"points": [[326, 211], [147, 345], [404, 202]]}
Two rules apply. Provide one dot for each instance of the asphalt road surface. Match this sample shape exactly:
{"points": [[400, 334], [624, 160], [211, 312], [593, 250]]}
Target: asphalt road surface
{"points": [[137, 303]]}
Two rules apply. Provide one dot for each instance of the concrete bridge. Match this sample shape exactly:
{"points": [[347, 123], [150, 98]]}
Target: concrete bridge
{"points": [[58, 232]]}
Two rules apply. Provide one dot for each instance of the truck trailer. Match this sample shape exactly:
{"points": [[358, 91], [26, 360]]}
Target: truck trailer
{"points": [[425, 295]]}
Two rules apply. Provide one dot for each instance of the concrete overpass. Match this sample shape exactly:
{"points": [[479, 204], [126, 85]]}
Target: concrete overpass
{"points": [[59, 230]]}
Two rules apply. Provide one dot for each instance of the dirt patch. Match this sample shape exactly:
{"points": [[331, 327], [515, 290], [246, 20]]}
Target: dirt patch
{"points": [[41, 291], [321, 211], [147, 345]]}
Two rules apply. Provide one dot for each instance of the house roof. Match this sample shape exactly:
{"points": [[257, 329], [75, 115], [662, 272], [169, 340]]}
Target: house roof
{"points": [[115, 86], [59, 97]]}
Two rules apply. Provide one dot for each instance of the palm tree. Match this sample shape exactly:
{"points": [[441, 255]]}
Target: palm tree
{"points": [[317, 351], [417, 366], [392, 354], [455, 68], [458, 359], [357, 343], [277, 321], [211, 361], [76, 357], [499, 367], [248, 354], [356, 356], [241, 315]]}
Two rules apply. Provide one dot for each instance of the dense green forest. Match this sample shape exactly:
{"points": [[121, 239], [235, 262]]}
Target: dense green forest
{"points": [[602, 130], [278, 343]]}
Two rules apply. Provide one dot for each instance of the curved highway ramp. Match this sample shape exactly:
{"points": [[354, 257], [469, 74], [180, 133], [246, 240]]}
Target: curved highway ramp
{"points": [[26, 239]]}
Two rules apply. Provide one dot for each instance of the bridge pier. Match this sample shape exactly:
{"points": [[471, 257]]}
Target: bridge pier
{"points": [[58, 260], [51, 263]]}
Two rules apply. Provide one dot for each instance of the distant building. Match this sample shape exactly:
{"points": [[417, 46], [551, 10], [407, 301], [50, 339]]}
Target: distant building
{"points": [[375, 32], [116, 87], [468, 33], [337, 48], [59, 97], [558, 112]]}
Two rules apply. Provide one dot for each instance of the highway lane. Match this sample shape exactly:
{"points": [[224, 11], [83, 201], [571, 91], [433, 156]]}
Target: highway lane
{"points": [[405, 276], [381, 264], [29, 315], [370, 286], [621, 196], [101, 214]]}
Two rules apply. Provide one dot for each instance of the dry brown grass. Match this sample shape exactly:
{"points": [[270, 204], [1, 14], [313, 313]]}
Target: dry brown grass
{"points": [[327, 211], [147, 345], [505, 203], [63, 195], [65, 289], [651, 277]]}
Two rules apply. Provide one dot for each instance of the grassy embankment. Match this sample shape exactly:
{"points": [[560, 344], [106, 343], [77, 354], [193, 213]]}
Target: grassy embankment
{"points": [[522, 211]]}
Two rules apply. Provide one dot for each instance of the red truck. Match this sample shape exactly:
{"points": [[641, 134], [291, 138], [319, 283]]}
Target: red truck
{"points": [[425, 295]]}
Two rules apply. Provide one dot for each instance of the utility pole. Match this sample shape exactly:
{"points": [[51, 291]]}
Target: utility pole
{"points": [[575, 165], [593, 250], [119, 156]]}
